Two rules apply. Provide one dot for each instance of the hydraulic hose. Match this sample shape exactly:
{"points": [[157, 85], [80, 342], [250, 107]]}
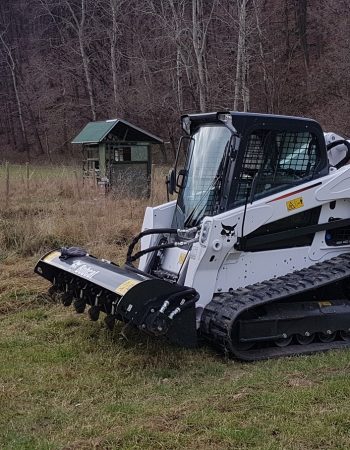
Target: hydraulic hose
{"points": [[129, 258], [149, 250], [182, 294], [188, 302]]}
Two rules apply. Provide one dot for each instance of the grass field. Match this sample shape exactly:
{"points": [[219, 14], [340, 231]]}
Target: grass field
{"points": [[67, 383]]}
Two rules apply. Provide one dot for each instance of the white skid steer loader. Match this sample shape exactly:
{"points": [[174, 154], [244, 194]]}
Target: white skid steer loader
{"points": [[254, 255]]}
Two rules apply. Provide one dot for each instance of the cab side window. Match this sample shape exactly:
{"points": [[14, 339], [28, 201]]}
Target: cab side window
{"points": [[274, 161]]}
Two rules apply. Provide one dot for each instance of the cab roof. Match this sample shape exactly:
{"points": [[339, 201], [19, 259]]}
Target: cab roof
{"points": [[244, 120]]}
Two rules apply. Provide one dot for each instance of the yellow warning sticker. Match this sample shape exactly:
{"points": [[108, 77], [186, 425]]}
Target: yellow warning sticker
{"points": [[52, 256], [182, 257], [295, 203], [123, 288]]}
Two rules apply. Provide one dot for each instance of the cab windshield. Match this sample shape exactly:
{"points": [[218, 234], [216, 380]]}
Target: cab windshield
{"points": [[204, 166]]}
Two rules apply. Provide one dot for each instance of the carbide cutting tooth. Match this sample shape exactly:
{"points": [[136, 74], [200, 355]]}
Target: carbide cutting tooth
{"points": [[79, 306], [52, 291], [94, 313], [110, 322], [67, 298]]}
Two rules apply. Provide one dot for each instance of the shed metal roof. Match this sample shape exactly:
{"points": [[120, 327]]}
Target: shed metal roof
{"points": [[96, 132]]}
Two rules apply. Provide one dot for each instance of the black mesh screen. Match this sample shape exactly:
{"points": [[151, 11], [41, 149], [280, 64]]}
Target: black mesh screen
{"points": [[339, 236], [274, 161]]}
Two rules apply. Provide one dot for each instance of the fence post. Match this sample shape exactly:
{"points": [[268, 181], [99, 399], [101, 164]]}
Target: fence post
{"points": [[7, 185], [94, 179], [77, 183], [27, 178]]}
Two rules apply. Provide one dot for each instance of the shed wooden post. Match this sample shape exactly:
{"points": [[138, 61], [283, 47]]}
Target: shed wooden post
{"points": [[102, 156]]}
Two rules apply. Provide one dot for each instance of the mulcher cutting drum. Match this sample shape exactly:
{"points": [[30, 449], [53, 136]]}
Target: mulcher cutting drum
{"points": [[155, 306]]}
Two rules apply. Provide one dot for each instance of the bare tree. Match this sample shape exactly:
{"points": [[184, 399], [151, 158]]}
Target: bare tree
{"points": [[268, 93], [200, 25], [74, 16], [67, 61], [115, 8], [242, 64], [12, 65], [78, 25]]}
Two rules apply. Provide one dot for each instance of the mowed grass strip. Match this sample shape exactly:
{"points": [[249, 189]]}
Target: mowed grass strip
{"points": [[69, 383]]}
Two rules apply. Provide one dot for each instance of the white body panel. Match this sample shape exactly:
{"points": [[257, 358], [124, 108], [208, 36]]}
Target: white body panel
{"points": [[174, 259], [215, 266], [158, 217]]}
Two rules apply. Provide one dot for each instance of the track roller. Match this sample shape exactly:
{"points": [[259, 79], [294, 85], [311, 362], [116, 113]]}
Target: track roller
{"points": [[283, 342], [305, 339], [327, 337], [345, 335]]}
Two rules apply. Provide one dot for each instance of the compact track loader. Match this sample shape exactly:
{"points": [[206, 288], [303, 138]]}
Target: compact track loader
{"points": [[254, 255]]}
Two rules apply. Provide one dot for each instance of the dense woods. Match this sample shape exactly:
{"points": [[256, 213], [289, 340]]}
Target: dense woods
{"points": [[65, 62]]}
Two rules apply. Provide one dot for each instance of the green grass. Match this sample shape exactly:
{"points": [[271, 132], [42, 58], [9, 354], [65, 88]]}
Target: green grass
{"points": [[68, 383]]}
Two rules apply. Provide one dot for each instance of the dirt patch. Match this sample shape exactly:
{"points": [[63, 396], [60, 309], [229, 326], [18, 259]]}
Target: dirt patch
{"points": [[230, 403], [171, 420], [300, 381]]}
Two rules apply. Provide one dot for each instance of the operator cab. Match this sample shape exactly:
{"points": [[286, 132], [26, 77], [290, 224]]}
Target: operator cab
{"points": [[235, 158]]}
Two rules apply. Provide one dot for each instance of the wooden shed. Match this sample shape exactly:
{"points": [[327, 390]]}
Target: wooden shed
{"points": [[117, 154]]}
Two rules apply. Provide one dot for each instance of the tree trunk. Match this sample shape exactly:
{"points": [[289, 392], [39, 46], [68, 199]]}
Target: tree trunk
{"points": [[33, 120], [85, 60], [179, 80], [302, 30], [242, 61], [267, 94], [12, 67], [113, 48], [245, 86], [79, 27], [198, 38]]}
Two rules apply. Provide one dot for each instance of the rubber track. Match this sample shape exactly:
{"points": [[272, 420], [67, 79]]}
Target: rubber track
{"points": [[220, 314]]}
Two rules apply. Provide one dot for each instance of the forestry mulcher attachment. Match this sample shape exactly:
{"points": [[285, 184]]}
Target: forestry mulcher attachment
{"points": [[254, 255]]}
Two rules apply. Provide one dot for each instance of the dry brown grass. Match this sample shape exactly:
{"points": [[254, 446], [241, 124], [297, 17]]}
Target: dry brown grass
{"points": [[53, 208], [58, 209]]}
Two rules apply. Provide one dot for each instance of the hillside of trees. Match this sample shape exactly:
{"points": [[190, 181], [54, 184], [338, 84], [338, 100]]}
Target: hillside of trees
{"points": [[66, 62]]}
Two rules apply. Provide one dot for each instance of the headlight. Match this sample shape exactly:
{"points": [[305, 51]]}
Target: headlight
{"points": [[224, 117]]}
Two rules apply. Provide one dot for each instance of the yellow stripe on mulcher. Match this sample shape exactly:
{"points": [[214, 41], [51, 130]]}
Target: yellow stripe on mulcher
{"points": [[325, 303], [51, 256], [123, 288]]}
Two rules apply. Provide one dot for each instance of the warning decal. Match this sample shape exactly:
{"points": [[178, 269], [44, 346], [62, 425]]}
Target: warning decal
{"points": [[295, 203]]}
